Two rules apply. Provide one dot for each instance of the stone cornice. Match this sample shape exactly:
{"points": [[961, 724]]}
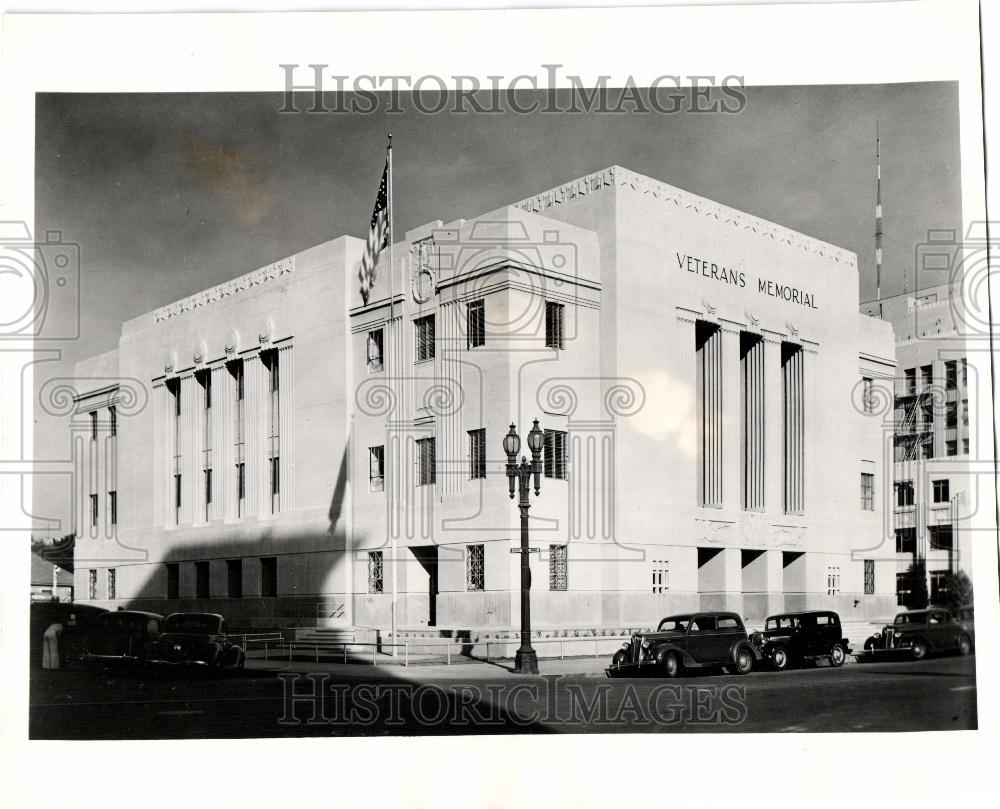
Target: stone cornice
{"points": [[618, 177]]}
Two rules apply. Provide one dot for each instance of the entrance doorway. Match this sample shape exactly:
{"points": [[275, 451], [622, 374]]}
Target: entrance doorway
{"points": [[427, 555]]}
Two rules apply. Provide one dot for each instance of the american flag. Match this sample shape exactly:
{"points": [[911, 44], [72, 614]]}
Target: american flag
{"points": [[378, 236]]}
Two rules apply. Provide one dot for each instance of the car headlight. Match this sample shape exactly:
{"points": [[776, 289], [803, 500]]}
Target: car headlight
{"points": [[897, 634]]}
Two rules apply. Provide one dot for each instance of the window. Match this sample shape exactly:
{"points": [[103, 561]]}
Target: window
{"points": [[867, 395], [558, 578], [938, 590], [904, 493], [208, 495], [906, 540], [927, 448], [113, 508], [376, 582], [424, 337], [91, 584], [910, 381], [268, 576], [940, 537], [113, 420], [965, 446], [93, 510], [752, 416], [951, 415], [375, 351], [241, 487], [476, 323], [926, 376], [554, 325], [275, 484], [477, 454], [177, 499], [832, 581], [661, 576], [425, 462], [951, 448], [173, 580], [554, 455], [869, 577], [475, 567], [940, 488], [234, 572], [965, 372], [793, 412], [201, 579], [93, 425], [867, 491], [903, 588], [376, 469], [112, 582], [951, 375], [727, 623], [708, 384]]}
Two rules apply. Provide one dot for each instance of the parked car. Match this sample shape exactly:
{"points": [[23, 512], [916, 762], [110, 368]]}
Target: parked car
{"points": [[196, 639], [967, 618], [76, 620], [791, 638], [124, 636], [921, 632], [680, 642]]}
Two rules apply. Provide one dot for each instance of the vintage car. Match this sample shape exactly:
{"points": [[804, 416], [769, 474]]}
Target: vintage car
{"points": [[698, 640], [196, 639], [921, 632], [966, 616], [791, 638], [124, 636]]}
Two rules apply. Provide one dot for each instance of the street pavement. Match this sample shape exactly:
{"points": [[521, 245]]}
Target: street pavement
{"points": [[303, 698]]}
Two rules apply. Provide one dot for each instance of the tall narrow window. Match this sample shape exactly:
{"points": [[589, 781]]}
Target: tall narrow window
{"points": [[177, 499], [113, 508], [475, 567], [208, 495], [910, 381], [941, 490], [424, 327], [867, 491], [558, 567], [234, 574], [205, 381], [239, 436], [554, 325], [926, 376], [869, 577], [113, 420], [269, 576], [376, 468], [426, 471], [376, 583], [867, 394], [477, 454], [375, 348], [904, 493], [554, 455], [275, 483], [793, 416], [112, 583], [708, 349], [241, 488], [91, 584], [906, 540], [174, 389], [201, 580], [173, 580], [951, 374], [93, 425], [476, 323], [752, 420], [270, 360], [93, 510]]}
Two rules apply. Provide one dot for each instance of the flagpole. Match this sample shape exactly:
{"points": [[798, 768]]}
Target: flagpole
{"points": [[392, 329]]}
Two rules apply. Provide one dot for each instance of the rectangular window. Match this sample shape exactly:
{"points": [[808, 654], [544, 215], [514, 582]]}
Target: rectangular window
{"points": [[91, 584], [951, 415], [475, 567], [927, 448], [113, 508], [234, 573], [910, 381], [940, 537], [554, 325], [376, 469], [708, 350], [376, 584], [476, 323], [661, 576], [939, 586], [375, 351], [867, 491], [208, 495], [941, 491], [275, 484], [424, 327], [554, 455], [951, 375], [832, 581], [951, 447], [926, 376], [904, 493], [173, 580], [902, 588], [177, 499], [112, 583], [793, 416], [867, 394], [965, 446], [93, 510], [869, 577], [93, 425], [113, 420], [752, 415], [204, 379], [558, 567], [269, 576], [426, 472], [241, 487], [965, 372], [906, 540], [201, 580], [477, 454]]}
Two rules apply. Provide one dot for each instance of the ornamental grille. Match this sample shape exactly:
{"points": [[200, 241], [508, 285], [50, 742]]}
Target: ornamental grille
{"points": [[477, 454], [475, 567], [869, 577], [558, 578], [375, 580]]}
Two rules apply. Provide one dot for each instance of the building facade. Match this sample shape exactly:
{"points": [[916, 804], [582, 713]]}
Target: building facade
{"points": [[281, 450]]}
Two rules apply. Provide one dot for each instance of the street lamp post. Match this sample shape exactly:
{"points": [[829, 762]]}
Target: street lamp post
{"points": [[519, 478]]}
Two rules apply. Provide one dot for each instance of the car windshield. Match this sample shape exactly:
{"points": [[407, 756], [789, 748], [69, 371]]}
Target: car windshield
{"points": [[781, 622], [676, 623], [196, 624]]}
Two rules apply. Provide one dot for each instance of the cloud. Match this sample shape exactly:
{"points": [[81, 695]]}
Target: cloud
{"points": [[669, 411]]}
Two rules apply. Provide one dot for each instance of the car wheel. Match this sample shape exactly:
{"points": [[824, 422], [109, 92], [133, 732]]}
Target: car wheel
{"points": [[964, 645], [779, 658], [838, 654], [744, 661], [671, 665], [619, 658], [919, 649]]}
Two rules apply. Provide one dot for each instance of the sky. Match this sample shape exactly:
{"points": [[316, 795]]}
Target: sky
{"points": [[168, 194]]}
